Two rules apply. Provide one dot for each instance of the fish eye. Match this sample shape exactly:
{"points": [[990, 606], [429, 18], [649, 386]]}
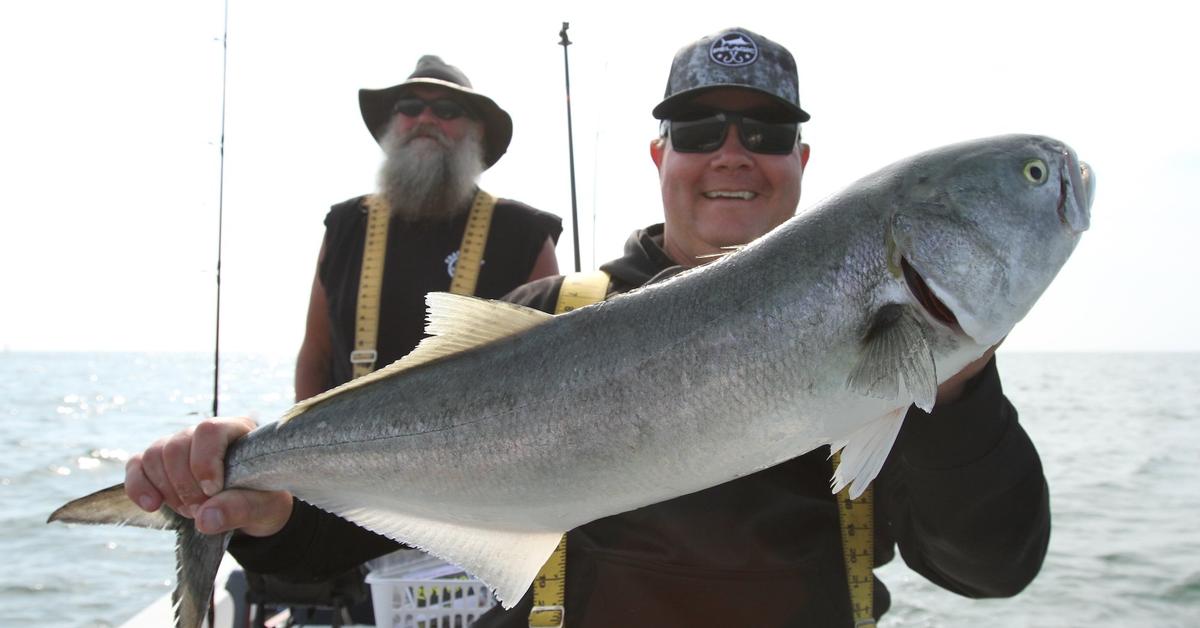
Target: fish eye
{"points": [[1036, 171]]}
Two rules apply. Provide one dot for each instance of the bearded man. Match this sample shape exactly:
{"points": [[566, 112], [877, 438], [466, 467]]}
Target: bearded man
{"points": [[438, 135]]}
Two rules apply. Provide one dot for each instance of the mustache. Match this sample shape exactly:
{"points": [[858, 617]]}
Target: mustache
{"points": [[425, 130]]}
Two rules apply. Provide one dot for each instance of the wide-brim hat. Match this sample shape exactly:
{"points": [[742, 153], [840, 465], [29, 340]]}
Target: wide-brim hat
{"points": [[734, 57], [376, 104]]}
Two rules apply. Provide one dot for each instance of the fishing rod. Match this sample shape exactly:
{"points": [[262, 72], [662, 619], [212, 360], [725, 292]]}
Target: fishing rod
{"points": [[564, 42], [220, 210], [212, 598]]}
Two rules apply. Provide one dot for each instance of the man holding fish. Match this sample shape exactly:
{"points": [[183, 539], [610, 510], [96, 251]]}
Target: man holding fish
{"points": [[962, 493]]}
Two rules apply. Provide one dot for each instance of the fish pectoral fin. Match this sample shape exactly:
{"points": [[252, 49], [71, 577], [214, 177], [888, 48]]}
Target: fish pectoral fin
{"points": [[454, 323], [505, 560], [864, 453], [895, 352]]}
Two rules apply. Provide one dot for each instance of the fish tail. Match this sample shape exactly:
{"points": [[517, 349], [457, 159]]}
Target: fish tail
{"points": [[111, 506], [197, 556]]}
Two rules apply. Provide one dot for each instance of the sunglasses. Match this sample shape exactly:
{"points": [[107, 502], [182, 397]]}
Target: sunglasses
{"points": [[443, 108], [707, 133]]}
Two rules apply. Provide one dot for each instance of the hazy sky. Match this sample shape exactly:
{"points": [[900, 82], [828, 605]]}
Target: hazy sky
{"points": [[111, 121]]}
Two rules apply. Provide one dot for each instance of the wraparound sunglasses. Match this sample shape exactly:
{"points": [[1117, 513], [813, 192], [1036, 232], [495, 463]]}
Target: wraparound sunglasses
{"points": [[707, 133]]}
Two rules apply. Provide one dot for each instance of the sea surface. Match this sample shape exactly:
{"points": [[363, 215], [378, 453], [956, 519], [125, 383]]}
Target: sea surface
{"points": [[1119, 436]]}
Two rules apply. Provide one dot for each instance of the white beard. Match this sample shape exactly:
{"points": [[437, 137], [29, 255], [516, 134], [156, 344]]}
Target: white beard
{"points": [[425, 177]]}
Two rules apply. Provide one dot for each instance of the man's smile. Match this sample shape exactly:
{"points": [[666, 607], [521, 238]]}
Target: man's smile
{"points": [[745, 195]]}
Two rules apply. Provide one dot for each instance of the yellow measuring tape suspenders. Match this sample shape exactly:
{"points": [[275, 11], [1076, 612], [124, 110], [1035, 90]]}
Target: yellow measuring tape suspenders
{"points": [[550, 586], [856, 519], [550, 590], [370, 280], [580, 289], [474, 241]]}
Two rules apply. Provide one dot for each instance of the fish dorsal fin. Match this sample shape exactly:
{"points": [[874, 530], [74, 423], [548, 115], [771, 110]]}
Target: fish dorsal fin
{"points": [[725, 252], [507, 560], [454, 323], [895, 352], [864, 453]]}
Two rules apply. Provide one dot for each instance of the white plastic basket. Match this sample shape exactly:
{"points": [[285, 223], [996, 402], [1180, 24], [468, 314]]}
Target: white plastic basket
{"points": [[410, 589]]}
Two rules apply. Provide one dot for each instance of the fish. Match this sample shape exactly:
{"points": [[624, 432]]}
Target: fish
{"points": [[507, 427]]}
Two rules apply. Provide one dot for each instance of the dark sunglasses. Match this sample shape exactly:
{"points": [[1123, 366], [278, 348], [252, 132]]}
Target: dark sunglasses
{"points": [[443, 108], [706, 134]]}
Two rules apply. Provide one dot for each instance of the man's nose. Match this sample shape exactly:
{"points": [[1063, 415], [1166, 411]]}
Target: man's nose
{"points": [[731, 153], [426, 116]]}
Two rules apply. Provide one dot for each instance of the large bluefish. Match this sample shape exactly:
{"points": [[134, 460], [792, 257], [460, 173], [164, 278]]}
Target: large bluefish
{"points": [[509, 426]]}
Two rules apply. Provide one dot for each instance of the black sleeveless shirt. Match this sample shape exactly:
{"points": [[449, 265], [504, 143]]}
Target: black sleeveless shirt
{"points": [[420, 259]]}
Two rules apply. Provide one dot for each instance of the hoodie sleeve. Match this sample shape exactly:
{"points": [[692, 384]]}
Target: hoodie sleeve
{"points": [[965, 495]]}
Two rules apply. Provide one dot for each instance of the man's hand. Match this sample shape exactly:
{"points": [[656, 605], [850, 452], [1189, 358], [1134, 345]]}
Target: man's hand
{"points": [[186, 472], [950, 390]]}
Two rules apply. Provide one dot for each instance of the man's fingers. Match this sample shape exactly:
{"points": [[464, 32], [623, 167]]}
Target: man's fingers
{"points": [[184, 469], [257, 513], [209, 443], [138, 488], [177, 462], [152, 470]]}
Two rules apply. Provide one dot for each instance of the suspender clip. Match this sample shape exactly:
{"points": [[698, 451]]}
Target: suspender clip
{"points": [[557, 608], [363, 356]]}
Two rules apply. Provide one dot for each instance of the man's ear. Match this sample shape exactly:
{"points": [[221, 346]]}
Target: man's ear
{"points": [[657, 146], [804, 148]]}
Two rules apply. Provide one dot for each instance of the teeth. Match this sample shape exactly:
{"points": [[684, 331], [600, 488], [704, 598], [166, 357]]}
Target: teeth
{"points": [[745, 195]]}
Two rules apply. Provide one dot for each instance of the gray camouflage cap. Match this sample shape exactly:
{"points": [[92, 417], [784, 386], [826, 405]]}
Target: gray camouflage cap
{"points": [[734, 57]]}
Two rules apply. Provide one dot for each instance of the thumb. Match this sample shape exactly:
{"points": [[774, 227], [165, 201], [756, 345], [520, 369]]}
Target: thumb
{"points": [[257, 513]]}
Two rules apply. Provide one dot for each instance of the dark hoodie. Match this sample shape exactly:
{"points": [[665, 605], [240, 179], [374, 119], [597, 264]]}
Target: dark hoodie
{"points": [[962, 495]]}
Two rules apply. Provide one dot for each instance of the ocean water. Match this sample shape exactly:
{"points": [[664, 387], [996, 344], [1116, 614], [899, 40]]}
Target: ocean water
{"points": [[67, 424], [1119, 436]]}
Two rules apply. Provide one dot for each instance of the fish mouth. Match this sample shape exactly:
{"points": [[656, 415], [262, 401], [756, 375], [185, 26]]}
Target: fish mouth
{"points": [[924, 295], [1076, 188]]}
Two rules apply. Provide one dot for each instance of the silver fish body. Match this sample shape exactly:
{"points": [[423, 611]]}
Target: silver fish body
{"points": [[823, 332]]}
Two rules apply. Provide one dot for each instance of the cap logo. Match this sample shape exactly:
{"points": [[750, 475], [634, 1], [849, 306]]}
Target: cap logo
{"points": [[733, 50]]}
